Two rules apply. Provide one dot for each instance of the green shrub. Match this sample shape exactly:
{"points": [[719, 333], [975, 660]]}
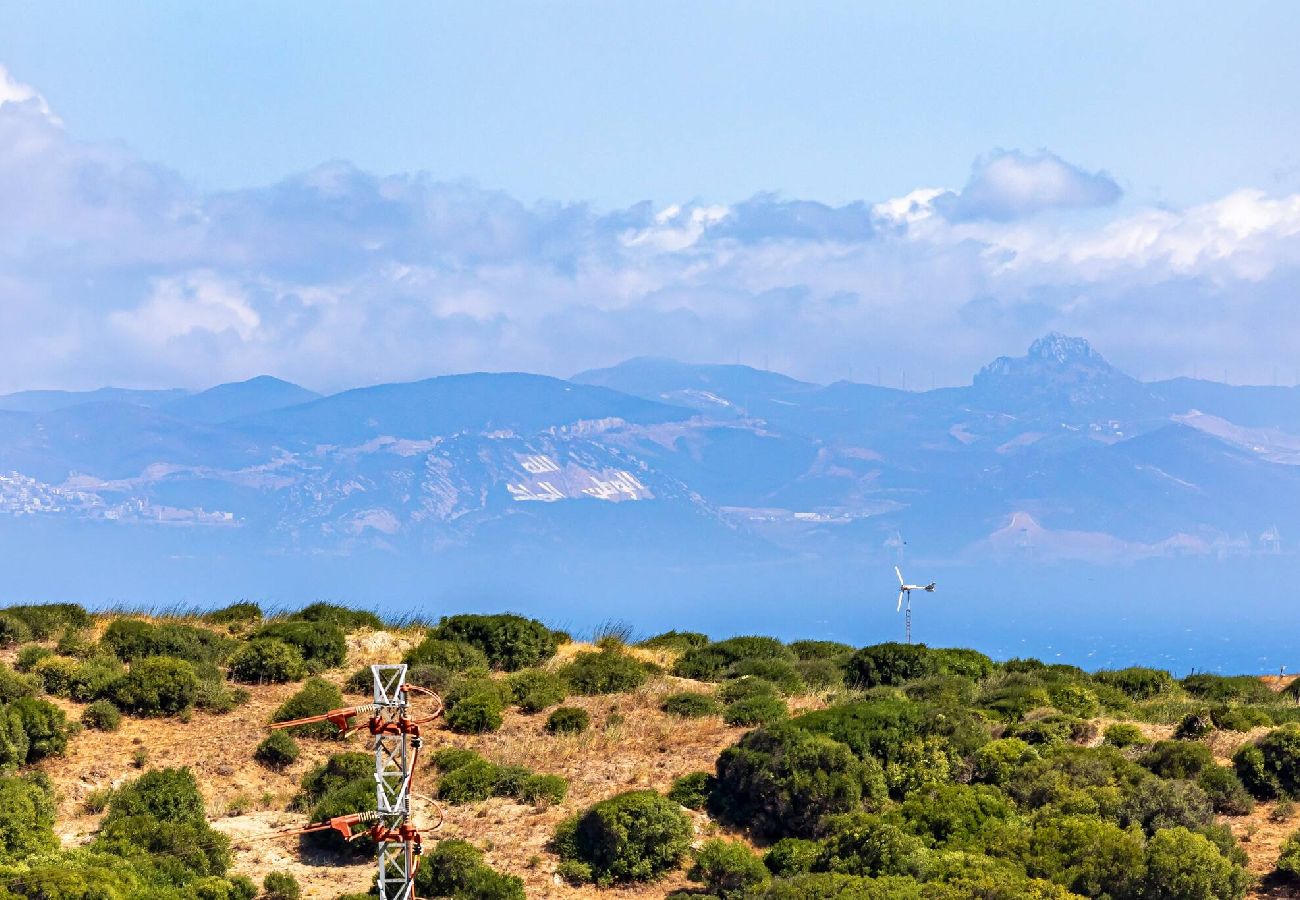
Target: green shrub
{"points": [[278, 750], [47, 619], [237, 616], [55, 673], [1177, 759], [1137, 682], [542, 790], [1088, 855], [160, 816], [13, 685], [1183, 865], [605, 672], [280, 886], [13, 631], [44, 724], [809, 650], [880, 727], [215, 694], [821, 674], [156, 686], [761, 710], [344, 617], [1272, 765], [779, 672], [636, 836], [680, 641], [101, 716], [792, 856], [949, 690], [14, 744], [30, 655], [533, 690], [710, 661], [75, 643], [26, 818], [1125, 734], [998, 761], [476, 714], [433, 678], [510, 642], [267, 661], [745, 689], [95, 677], [470, 782], [1221, 688], [1194, 725], [1047, 731], [132, 639], [322, 645], [357, 795], [316, 698], [690, 705], [890, 664], [1239, 718], [1161, 804], [1288, 862], [963, 663], [728, 869], [338, 771], [692, 790], [783, 781], [455, 868], [457, 656], [1227, 794], [568, 720], [865, 844]]}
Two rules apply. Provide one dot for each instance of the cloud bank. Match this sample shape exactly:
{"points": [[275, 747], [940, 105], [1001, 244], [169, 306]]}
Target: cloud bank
{"points": [[117, 270]]}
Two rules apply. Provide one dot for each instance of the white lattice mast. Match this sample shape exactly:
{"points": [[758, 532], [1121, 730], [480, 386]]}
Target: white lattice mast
{"points": [[395, 744]]}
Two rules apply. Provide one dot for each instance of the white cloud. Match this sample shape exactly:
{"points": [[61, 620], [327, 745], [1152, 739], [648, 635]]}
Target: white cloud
{"points": [[14, 92], [113, 269]]}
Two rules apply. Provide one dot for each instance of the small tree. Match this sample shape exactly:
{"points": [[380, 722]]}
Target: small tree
{"points": [[277, 751], [728, 869], [267, 661], [157, 686], [280, 886], [568, 720], [316, 698], [636, 836], [101, 716], [1183, 865]]}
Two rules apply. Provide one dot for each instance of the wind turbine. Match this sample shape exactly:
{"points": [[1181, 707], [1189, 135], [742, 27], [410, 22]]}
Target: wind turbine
{"points": [[905, 590]]}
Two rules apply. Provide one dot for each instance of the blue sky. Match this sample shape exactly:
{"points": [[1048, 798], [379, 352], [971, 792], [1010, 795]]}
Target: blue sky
{"points": [[556, 185]]}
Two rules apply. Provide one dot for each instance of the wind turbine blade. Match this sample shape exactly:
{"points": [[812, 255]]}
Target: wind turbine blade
{"points": [[899, 573], [900, 601]]}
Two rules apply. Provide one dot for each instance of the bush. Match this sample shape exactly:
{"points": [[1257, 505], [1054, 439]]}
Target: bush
{"points": [[1088, 855], [1182, 865], [132, 639], [55, 673], [156, 686], [862, 844], [1177, 759], [680, 641], [1137, 682], [761, 710], [26, 818], [1227, 794], [95, 677], [75, 643], [605, 672], [792, 856], [533, 690], [1239, 718], [321, 644], [278, 750], [890, 664], [690, 705], [476, 714], [13, 685], [709, 662], [1161, 804], [237, 616], [692, 790], [964, 663], [1288, 862], [317, 697], [510, 642], [821, 674], [1221, 688], [43, 723], [727, 869], [782, 781], [160, 816], [344, 617], [469, 782], [779, 672], [998, 761], [280, 886], [879, 728], [101, 716], [745, 689], [1125, 734], [456, 656], [338, 771], [47, 619], [455, 868], [950, 690], [30, 655], [1194, 725], [568, 720], [267, 661], [542, 790], [14, 744], [13, 631], [809, 650], [1272, 765], [636, 836]]}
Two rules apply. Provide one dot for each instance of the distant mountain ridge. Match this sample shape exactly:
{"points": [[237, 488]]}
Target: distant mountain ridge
{"points": [[672, 461]]}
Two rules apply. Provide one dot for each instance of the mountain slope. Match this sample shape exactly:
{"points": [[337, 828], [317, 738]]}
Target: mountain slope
{"points": [[244, 398]]}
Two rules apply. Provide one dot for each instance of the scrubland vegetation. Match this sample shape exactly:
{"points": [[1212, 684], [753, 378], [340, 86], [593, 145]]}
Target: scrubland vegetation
{"points": [[674, 766]]}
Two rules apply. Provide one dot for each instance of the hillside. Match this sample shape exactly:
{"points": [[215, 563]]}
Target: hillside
{"points": [[985, 779]]}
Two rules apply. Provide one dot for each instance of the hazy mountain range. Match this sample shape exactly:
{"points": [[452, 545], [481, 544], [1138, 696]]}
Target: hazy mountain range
{"points": [[1050, 455]]}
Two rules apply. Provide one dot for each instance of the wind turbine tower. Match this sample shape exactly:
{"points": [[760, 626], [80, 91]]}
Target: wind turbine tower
{"points": [[905, 597]]}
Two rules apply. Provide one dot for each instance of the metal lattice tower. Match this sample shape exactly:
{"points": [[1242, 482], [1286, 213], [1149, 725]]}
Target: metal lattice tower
{"points": [[396, 858]]}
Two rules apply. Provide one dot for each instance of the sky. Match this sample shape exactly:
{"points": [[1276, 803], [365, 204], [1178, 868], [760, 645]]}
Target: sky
{"points": [[343, 193]]}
